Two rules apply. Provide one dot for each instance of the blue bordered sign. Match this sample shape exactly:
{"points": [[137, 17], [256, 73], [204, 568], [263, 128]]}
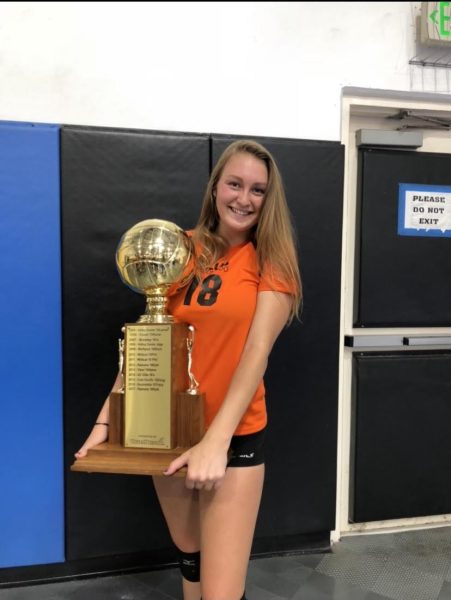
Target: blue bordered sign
{"points": [[424, 210]]}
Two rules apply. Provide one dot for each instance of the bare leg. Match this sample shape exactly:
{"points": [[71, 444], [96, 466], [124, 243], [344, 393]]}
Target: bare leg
{"points": [[227, 519], [180, 507], [191, 590]]}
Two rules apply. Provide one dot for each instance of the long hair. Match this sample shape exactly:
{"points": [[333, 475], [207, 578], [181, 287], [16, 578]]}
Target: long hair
{"points": [[273, 236]]}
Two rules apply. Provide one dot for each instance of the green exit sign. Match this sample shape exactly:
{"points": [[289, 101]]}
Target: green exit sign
{"points": [[435, 27]]}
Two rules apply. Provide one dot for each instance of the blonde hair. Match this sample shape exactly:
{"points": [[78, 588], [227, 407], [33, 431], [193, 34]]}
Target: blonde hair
{"points": [[273, 236]]}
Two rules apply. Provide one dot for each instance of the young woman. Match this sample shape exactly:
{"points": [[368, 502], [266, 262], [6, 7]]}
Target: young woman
{"points": [[247, 288]]}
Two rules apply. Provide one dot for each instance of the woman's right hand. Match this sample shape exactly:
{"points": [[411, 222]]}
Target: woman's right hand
{"points": [[206, 462], [98, 435]]}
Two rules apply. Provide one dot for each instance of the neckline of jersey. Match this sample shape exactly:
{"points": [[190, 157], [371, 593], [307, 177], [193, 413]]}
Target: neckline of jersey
{"points": [[236, 247]]}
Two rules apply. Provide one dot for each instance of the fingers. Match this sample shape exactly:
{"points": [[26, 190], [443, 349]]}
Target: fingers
{"points": [[207, 486], [96, 437], [199, 485], [193, 482], [177, 464]]}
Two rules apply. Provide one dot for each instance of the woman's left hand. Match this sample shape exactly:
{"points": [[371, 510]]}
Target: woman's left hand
{"points": [[206, 462]]}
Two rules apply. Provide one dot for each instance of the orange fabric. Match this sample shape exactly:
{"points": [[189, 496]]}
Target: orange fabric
{"points": [[221, 309]]}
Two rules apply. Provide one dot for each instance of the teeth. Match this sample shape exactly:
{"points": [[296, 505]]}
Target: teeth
{"points": [[244, 213]]}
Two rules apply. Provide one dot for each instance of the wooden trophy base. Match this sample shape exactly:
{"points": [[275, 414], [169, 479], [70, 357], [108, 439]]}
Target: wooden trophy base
{"points": [[113, 457]]}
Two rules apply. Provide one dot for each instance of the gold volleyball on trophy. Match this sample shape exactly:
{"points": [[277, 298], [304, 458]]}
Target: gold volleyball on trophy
{"points": [[151, 257]]}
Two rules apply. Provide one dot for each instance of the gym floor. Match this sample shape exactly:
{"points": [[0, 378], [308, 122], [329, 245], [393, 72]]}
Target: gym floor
{"points": [[413, 565]]}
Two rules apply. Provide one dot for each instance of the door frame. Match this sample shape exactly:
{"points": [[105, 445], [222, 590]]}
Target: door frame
{"points": [[368, 109]]}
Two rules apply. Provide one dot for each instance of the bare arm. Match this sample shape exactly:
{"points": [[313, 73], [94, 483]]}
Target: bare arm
{"points": [[270, 317], [207, 460], [99, 433]]}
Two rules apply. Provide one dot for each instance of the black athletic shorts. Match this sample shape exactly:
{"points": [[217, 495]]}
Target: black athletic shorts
{"points": [[247, 450]]}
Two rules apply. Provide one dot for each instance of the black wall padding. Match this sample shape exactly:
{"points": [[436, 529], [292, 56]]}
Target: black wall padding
{"points": [[111, 179], [302, 377], [401, 280], [401, 435]]}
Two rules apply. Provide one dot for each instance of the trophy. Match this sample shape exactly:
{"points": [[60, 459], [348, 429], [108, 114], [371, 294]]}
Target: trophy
{"points": [[158, 408]]}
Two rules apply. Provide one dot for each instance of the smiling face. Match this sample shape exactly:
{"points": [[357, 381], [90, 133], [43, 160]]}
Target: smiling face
{"points": [[240, 193]]}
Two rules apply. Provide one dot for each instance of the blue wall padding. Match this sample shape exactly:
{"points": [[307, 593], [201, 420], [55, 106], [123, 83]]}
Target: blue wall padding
{"points": [[31, 449]]}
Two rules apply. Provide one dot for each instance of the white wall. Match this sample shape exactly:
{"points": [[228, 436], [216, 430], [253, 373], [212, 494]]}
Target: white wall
{"points": [[257, 68]]}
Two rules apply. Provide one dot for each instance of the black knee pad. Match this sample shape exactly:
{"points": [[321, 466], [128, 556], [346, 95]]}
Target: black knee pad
{"points": [[190, 565]]}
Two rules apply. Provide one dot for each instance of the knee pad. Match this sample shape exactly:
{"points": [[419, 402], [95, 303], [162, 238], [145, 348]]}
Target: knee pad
{"points": [[190, 565]]}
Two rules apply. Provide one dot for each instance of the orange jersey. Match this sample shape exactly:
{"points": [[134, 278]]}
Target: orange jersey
{"points": [[221, 308]]}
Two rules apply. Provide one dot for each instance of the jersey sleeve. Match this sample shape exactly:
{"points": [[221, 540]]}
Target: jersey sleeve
{"points": [[270, 281]]}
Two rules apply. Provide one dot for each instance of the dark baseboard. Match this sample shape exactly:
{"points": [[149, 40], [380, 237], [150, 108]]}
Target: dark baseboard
{"points": [[120, 564], [123, 564], [308, 543]]}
